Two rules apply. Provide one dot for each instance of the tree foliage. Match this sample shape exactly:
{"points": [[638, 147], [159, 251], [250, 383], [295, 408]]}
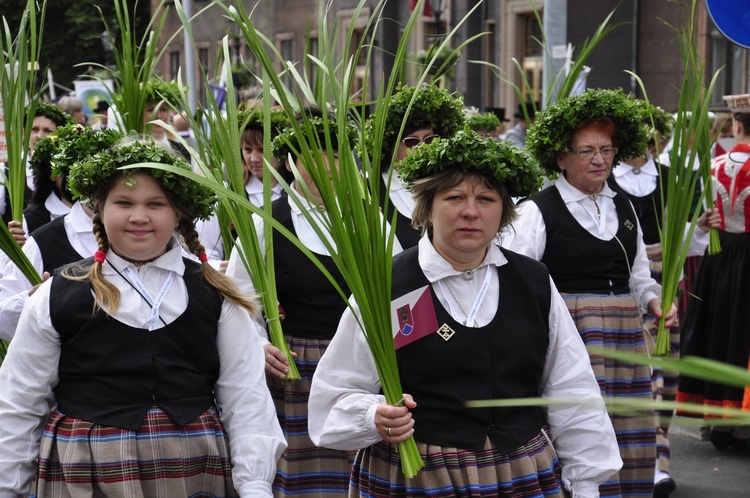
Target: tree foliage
{"points": [[72, 33]]}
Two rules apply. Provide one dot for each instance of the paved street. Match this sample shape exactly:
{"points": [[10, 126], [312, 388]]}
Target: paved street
{"points": [[701, 471]]}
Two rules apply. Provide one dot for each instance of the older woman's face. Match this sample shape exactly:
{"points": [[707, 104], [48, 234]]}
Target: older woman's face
{"points": [[588, 174], [465, 219]]}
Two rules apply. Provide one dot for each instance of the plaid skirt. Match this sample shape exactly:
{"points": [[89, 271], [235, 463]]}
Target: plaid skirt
{"points": [[305, 470], [529, 471], [663, 382], [160, 460], [615, 322]]}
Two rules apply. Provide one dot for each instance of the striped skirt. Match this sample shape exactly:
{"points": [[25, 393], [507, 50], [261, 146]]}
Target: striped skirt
{"points": [[615, 322], [530, 471], [160, 460], [663, 382], [304, 469]]}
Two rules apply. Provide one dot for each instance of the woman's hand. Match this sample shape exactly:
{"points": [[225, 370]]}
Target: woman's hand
{"points": [[45, 277], [16, 230], [654, 307], [709, 219], [276, 362], [394, 423]]}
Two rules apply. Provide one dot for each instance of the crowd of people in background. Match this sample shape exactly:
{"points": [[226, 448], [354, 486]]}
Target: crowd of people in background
{"points": [[142, 365]]}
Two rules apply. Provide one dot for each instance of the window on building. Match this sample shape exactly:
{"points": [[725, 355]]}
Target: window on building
{"points": [[203, 62], [286, 48], [174, 65], [732, 61], [532, 57]]}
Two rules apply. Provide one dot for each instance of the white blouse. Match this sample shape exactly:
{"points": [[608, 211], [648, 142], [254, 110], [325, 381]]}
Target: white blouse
{"points": [[528, 234], [30, 372], [345, 389], [14, 286]]}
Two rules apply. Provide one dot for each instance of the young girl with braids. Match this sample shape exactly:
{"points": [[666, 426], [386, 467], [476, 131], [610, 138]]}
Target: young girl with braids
{"points": [[137, 372]]}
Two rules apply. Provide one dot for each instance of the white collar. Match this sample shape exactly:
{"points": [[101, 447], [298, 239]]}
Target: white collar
{"points": [[648, 168], [571, 194], [254, 186], [395, 181], [307, 205], [78, 219], [169, 261], [436, 268], [55, 206]]}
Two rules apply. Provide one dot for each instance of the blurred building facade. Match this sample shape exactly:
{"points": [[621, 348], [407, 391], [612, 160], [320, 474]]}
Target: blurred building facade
{"points": [[644, 42]]}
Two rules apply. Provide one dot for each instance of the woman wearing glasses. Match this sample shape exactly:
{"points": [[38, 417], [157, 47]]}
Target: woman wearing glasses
{"points": [[588, 235], [434, 113]]}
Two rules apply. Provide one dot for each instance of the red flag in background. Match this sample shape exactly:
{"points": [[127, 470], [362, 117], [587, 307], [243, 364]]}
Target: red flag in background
{"points": [[425, 11]]}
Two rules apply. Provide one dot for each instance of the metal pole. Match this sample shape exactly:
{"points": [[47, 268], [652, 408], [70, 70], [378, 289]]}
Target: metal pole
{"points": [[555, 21]]}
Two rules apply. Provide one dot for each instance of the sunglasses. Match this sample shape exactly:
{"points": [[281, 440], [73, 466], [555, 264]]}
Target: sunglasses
{"points": [[414, 141]]}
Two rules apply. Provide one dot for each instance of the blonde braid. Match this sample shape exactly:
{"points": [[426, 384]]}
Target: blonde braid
{"points": [[213, 277]]}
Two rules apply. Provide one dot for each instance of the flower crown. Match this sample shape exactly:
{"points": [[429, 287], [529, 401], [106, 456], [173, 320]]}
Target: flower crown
{"points": [[470, 152], [67, 144], [54, 113], [486, 121], [433, 106], [253, 118], [553, 129], [287, 142], [90, 177]]}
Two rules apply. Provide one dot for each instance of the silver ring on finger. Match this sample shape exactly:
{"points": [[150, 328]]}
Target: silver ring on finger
{"points": [[390, 434]]}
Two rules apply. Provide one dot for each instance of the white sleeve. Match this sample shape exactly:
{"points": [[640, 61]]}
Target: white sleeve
{"points": [[209, 233], [345, 391], [581, 432], [14, 290], [256, 441], [528, 234], [27, 377], [644, 286], [238, 272]]}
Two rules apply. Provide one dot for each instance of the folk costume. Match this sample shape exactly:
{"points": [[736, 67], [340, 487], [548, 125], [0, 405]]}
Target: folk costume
{"points": [[147, 389], [82, 362], [717, 314], [593, 246], [470, 352], [312, 308]]}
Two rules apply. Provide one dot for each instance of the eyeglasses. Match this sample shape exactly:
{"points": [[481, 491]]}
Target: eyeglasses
{"points": [[588, 154], [414, 141]]}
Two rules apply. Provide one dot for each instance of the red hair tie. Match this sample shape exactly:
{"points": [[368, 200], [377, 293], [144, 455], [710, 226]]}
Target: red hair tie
{"points": [[100, 256], [203, 258]]}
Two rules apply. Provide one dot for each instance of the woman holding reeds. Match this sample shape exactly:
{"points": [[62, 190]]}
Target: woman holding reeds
{"points": [[311, 309], [471, 321], [588, 235], [137, 372], [641, 179], [434, 113], [65, 239], [717, 318]]}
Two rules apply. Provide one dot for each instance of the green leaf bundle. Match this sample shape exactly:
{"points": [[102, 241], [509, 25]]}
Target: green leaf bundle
{"points": [[691, 145]]}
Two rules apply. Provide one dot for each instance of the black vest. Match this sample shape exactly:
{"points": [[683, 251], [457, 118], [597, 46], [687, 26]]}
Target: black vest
{"points": [[648, 208], [579, 262], [8, 213], [54, 245], [504, 359], [111, 373], [36, 215], [406, 235], [312, 307]]}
